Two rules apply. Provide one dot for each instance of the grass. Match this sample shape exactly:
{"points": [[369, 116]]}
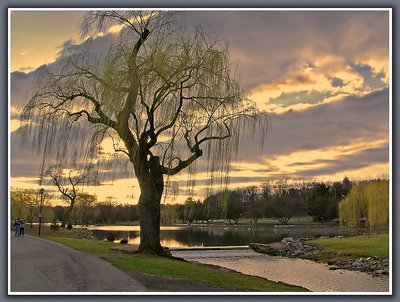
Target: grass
{"points": [[373, 246], [166, 267], [87, 246], [70, 239], [45, 231]]}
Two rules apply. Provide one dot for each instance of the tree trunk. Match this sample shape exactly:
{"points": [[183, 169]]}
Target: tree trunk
{"points": [[151, 182], [67, 214]]}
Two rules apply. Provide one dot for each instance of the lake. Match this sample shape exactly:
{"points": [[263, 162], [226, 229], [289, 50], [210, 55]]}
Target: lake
{"points": [[181, 236]]}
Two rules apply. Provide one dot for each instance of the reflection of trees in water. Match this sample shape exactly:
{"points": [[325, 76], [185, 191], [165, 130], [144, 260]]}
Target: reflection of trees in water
{"points": [[198, 236], [203, 236], [222, 236]]}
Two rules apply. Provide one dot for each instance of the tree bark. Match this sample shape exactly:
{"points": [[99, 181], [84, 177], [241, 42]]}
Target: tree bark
{"points": [[151, 182]]}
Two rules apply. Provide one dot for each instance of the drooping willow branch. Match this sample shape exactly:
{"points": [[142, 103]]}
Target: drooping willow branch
{"points": [[161, 92]]}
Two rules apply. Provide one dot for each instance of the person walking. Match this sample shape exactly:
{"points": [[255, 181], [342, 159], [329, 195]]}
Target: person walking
{"points": [[16, 227], [21, 227]]}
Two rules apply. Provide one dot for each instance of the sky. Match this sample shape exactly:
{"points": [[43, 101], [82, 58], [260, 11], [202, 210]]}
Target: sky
{"points": [[322, 76]]}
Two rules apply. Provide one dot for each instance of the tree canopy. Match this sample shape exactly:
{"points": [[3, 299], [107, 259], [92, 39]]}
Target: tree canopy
{"points": [[162, 93], [368, 200], [165, 93]]}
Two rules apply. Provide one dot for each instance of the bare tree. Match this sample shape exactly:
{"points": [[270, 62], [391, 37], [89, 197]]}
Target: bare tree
{"points": [[163, 94], [67, 185]]}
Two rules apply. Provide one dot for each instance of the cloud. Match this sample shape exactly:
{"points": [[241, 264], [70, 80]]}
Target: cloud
{"points": [[371, 80], [270, 43], [349, 162], [337, 123], [326, 72], [25, 162], [24, 53], [336, 82]]}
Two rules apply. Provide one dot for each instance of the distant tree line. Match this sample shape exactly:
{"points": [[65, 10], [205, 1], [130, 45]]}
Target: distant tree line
{"points": [[279, 200], [87, 209]]}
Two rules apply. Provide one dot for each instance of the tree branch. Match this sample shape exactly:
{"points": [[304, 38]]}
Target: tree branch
{"points": [[182, 164]]}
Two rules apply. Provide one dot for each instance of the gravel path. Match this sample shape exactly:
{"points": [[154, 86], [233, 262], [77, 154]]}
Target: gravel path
{"points": [[39, 265]]}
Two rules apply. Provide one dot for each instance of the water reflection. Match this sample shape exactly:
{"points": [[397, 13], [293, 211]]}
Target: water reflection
{"points": [[203, 236]]}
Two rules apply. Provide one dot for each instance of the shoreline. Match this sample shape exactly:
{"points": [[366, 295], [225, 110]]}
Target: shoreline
{"points": [[297, 248]]}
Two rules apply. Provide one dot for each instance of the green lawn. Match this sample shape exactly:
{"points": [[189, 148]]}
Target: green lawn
{"points": [[162, 266], [376, 245], [88, 246]]}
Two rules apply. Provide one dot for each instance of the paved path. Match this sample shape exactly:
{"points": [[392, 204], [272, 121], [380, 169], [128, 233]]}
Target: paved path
{"points": [[39, 265]]}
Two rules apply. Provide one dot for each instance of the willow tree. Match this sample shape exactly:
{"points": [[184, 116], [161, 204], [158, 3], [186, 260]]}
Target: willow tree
{"points": [[163, 93], [369, 200]]}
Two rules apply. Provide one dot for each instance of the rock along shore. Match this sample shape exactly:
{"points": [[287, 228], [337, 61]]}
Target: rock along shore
{"points": [[295, 248]]}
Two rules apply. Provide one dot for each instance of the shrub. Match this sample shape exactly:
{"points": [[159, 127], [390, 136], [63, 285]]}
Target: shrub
{"points": [[54, 226], [124, 241], [69, 226], [111, 237]]}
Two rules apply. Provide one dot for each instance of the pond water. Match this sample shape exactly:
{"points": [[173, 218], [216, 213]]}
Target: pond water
{"points": [[204, 236], [314, 276]]}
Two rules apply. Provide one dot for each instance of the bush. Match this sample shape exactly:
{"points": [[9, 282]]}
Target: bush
{"points": [[124, 241], [111, 237], [69, 226], [54, 226]]}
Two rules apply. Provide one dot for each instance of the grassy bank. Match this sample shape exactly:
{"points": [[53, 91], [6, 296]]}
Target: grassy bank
{"points": [[373, 246], [166, 267], [172, 268], [87, 246], [46, 231]]}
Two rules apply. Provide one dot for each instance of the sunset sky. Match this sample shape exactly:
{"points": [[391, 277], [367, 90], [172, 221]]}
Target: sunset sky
{"points": [[323, 77]]}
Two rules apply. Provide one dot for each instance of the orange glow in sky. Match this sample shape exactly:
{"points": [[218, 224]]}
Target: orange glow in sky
{"points": [[296, 81]]}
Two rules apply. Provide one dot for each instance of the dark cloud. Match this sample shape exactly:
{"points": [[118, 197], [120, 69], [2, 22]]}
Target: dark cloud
{"points": [[268, 169], [345, 163], [67, 44], [303, 163], [25, 161], [371, 80], [21, 87], [23, 84], [336, 82]]}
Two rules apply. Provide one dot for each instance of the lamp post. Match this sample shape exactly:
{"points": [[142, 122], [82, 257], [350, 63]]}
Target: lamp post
{"points": [[40, 209]]}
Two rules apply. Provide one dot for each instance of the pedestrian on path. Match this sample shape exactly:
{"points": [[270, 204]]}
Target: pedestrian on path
{"points": [[21, 227], [16, 227]]}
